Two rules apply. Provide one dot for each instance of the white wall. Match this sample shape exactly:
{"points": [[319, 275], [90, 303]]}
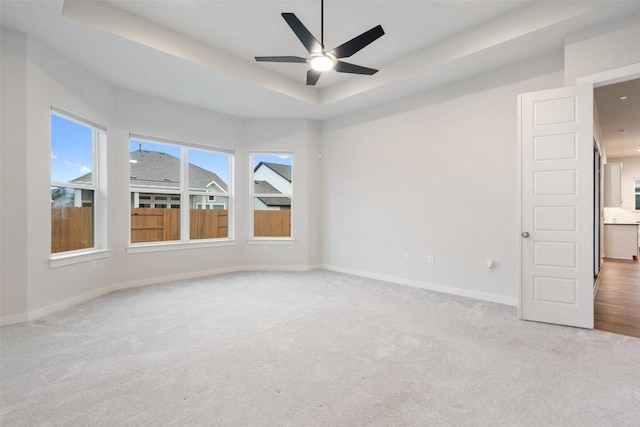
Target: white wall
{"points": [[35, 77], [432, 175], [13, 175], [298, 137], [156, 117], [51, 79]]}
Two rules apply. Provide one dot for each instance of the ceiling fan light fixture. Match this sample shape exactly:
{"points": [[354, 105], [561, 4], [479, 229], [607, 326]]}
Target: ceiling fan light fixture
{"points": [[319, 59], [322, 61]]}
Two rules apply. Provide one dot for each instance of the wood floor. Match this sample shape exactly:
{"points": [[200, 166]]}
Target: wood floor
{"points": [[617, 304]]}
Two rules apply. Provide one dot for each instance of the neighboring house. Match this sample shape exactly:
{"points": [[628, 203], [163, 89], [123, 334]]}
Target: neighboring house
{"points": [[155, 170], [269, 203], [65, 197], [272, 178]]}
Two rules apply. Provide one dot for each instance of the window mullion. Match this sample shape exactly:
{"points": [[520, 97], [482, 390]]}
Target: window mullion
{"points": [[184, 195]]}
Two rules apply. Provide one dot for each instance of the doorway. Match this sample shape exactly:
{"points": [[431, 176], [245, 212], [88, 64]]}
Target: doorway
{"points": [[560, 224], [617, 297]]}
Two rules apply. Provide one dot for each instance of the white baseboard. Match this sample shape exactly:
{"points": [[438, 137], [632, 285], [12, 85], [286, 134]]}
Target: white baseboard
{"points": [[483, 296], [280, 267], [13, 319], [52, 308], [174, 278]]}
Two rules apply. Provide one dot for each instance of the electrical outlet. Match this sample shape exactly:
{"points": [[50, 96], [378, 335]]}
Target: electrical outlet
{"points": [[407, 257], [430, 259]]}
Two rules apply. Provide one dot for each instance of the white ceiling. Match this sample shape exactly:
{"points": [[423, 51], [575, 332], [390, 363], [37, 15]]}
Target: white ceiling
{"points": [[618, 107], [201, 52]]}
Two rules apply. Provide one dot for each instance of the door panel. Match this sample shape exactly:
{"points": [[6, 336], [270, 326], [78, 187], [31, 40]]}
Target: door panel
{"points": [[556, 183]]}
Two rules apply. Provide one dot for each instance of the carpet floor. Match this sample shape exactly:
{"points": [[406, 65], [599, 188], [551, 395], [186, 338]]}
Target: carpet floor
{"points": [[309, 349]]}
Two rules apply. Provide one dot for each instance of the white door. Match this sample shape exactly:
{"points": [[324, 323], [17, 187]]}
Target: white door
{"points": [[556, 188]]}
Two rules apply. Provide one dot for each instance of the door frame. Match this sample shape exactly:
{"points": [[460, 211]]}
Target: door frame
{"points": [[604, 78], [615, 75]]}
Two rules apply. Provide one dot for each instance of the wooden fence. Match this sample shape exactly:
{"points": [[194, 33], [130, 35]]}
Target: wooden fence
{"points": [[209, 224], [71, 229], [155, 224], [272, 223]]}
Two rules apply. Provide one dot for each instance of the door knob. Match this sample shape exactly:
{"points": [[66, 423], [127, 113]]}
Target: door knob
{"points": [[525, 234]]}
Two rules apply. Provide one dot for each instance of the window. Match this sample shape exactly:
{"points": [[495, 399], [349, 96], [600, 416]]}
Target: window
{"points": [[179, 191], [271, 194], [636, 191], [74, 182]]}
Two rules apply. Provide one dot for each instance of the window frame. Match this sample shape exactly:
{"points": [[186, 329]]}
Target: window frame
{"points": [[99, 248], [281, 240], [185, 241]]}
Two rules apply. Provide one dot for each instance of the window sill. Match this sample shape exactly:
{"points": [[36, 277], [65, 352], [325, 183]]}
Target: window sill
{"points": [[77, 257], [271, 241], [175, 246]]}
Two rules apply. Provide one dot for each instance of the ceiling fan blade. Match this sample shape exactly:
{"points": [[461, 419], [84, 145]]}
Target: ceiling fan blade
{"points": [[345, 67], [296, 59], [313, 76], [347, 49], [307, 39]]}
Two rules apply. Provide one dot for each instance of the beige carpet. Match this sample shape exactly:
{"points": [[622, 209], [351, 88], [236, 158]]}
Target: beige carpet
{"points": [[310, 349]]}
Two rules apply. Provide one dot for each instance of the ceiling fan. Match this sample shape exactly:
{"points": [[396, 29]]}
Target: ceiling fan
{"points": [[319, 58]]}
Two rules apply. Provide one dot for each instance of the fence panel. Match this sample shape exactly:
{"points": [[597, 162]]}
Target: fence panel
{"points": [[71, 229], [161, 224], [209, 223], [154, 224], [272, 223]]}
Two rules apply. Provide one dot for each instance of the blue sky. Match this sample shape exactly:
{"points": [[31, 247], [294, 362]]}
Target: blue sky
{"points": [[283, 159], [71, 146], [71, 156]]}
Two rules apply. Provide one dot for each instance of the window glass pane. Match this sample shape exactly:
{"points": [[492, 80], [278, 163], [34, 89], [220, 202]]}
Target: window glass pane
{"points": [[71, 151], [154, 168], [71, 219], [272, 183], [272, 217], [72, 208], [272, 173], [155, 220], [208, 173], [209, 220]]}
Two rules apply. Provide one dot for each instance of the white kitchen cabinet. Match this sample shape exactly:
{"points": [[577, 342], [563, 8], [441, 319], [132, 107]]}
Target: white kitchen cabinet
{"points": [[621, 241], [612, 185]]}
